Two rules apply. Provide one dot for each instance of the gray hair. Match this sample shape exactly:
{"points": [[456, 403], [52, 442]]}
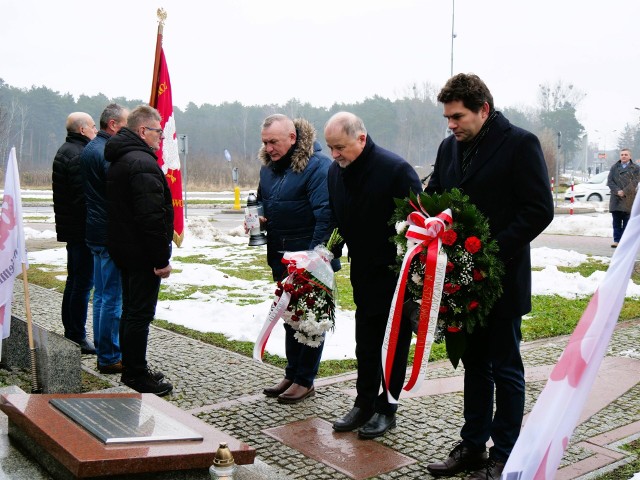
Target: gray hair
{"points": [[113, 111], [142, 114], [349, 123], [278, 118]]}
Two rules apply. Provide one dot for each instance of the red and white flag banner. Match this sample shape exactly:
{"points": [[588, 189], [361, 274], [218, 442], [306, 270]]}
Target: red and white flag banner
{"points": [[544, 438], [168, 157], [423, 234], [13, 252]]}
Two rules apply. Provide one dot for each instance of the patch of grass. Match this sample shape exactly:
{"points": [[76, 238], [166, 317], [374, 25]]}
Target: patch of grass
{"points": [[587, 268], [36, 218], [45, 276], [204, 201], [344, 289], [627, 470], [554, 315]]}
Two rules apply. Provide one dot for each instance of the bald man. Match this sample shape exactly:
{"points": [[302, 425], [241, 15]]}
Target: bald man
{"points": [[70, 213], [363, 182]]}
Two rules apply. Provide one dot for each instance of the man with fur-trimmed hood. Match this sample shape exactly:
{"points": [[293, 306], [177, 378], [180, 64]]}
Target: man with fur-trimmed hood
{"points": [[293, 191]]}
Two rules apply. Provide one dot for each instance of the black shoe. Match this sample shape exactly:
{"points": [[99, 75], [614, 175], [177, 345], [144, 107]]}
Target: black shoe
{"points": [[377, 426], [352, 420], [146, 383], [87, 347], [461, 459], [155, 374], [491, 471]]}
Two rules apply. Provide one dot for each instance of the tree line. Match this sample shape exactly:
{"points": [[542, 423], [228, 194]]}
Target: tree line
{"points": [[33, 121]]}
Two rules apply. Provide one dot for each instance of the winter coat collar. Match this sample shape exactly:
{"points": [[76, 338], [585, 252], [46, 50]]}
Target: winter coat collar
{"points": [[304, 146]]}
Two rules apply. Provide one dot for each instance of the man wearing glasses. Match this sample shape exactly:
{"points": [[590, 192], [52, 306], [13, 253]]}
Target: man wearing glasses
{"points": [[139, 234]]}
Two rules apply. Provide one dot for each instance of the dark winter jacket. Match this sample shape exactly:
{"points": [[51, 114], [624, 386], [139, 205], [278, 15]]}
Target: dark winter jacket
{"points": [[139, 207], [625, 179], [68, 193], [362, 202], [507, 180], [295, 200], [94, 176]]}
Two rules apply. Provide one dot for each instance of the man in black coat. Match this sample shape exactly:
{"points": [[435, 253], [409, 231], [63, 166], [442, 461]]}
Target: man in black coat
{"points": [[501, 168], [363, 182], [139, 234], [70, 211]]}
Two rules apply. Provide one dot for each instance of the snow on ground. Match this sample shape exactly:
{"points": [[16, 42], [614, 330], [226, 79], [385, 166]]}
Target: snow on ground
{"points": [[237, 308]]}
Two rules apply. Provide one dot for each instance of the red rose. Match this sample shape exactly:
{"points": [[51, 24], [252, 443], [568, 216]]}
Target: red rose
{"points": [[477, 275], [288, 287], [472, 245], [443, 309], [299, 312], [294, 318], [449, 237], [449, 267], [453, 329], [473, 304], [279, 292], [310, 302], [451, 288]]}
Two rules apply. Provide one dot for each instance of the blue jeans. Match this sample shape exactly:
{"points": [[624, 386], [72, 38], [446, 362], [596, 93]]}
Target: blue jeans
{"points": [[492, 364], [620, 220], [107, 306], [77, 290], [303, 361]]}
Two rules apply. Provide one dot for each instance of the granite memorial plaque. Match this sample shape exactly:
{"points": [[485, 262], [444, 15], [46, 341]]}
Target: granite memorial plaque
{"points": [[123, 420]]}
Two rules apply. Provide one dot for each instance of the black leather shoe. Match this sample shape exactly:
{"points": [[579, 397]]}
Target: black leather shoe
{"points": [[459, 460], [278, 389], [491, 471], [352, 420], [377, 425]]}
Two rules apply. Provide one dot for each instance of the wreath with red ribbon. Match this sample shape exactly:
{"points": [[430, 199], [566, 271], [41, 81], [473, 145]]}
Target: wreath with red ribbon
{"points": [[473, 275]]}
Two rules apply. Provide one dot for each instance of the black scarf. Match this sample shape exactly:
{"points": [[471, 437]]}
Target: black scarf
{"points": [[473, 146]]}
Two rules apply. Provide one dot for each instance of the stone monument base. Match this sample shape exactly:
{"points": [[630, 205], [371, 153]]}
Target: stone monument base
{"points": [[69, 451]]}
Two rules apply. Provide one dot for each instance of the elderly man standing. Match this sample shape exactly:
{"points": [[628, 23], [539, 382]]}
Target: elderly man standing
{"points": [[363, 182], [293, 190], [139, 234], [623, 182], [107, 292], [70, 213]]}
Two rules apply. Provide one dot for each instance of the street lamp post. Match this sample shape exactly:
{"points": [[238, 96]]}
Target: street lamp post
{"points": [[453, 33]]}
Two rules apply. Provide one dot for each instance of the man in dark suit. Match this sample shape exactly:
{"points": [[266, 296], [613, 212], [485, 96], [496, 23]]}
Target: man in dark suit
{"points": [[502, 169], [363, 181]]}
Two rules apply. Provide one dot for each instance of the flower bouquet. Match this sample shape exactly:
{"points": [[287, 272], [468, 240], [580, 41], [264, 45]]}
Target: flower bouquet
{"points": [[455, 293], [305, 299]]}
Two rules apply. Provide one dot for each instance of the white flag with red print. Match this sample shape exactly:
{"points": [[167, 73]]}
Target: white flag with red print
{"points": [[544, 438], [12, 246]]}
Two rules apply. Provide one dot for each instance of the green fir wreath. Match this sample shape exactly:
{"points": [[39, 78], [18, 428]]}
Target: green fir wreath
{"points": [[473, 278]]}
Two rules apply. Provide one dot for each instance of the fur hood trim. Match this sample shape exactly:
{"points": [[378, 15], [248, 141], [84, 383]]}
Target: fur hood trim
{"points": [[304, 146]]}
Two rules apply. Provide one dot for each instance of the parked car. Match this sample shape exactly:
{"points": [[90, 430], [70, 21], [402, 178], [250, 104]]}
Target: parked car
{"points": [[593, 190]]}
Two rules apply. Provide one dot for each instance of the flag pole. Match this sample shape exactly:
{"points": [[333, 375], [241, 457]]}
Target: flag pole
{"points": [[35, 386], [162, 16]]}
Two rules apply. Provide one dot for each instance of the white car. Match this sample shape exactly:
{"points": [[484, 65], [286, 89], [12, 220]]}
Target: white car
{"points": [[593, 190]]}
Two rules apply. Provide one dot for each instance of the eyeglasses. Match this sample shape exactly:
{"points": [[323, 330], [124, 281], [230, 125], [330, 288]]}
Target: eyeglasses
{"points": [[158, 130]]}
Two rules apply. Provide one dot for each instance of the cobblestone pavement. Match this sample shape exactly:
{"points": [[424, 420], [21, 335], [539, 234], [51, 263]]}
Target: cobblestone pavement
{"points": [[224, 389]]}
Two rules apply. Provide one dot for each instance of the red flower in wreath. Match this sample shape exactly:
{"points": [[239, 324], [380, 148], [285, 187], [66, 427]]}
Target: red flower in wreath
{"points": [[443, 309], [449, 237], [478, 276], [451, 288], [472, 245], [473, 304], [449, 267], [453, 329]]}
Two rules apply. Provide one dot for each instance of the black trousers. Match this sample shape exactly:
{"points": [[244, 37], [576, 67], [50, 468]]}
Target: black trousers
{"points": [[493, 367], [370, 330], [140, 290]]}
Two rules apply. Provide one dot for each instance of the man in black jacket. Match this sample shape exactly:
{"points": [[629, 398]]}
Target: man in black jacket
{"points": [[363, 182], [139, 234], [484, 157], [70, 212]]}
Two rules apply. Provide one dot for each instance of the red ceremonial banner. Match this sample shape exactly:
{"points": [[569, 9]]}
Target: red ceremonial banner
{"points": [[168, 157]]}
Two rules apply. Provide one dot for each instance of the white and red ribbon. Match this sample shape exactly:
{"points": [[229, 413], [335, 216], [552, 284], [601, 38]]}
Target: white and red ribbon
{"points": [[544, 438], [317, 263], [425, 232]]}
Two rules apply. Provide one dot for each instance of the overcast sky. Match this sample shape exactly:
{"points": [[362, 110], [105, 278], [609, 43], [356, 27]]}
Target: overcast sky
{"points": [[321, 52]]}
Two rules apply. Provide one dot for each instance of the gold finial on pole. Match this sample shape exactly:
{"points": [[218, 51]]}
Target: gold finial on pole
{"points": [[162, 15]]}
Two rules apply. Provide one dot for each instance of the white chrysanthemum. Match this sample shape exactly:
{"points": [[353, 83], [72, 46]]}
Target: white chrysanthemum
{"points": [[399, 249], [417, 279], [401, 226]]}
